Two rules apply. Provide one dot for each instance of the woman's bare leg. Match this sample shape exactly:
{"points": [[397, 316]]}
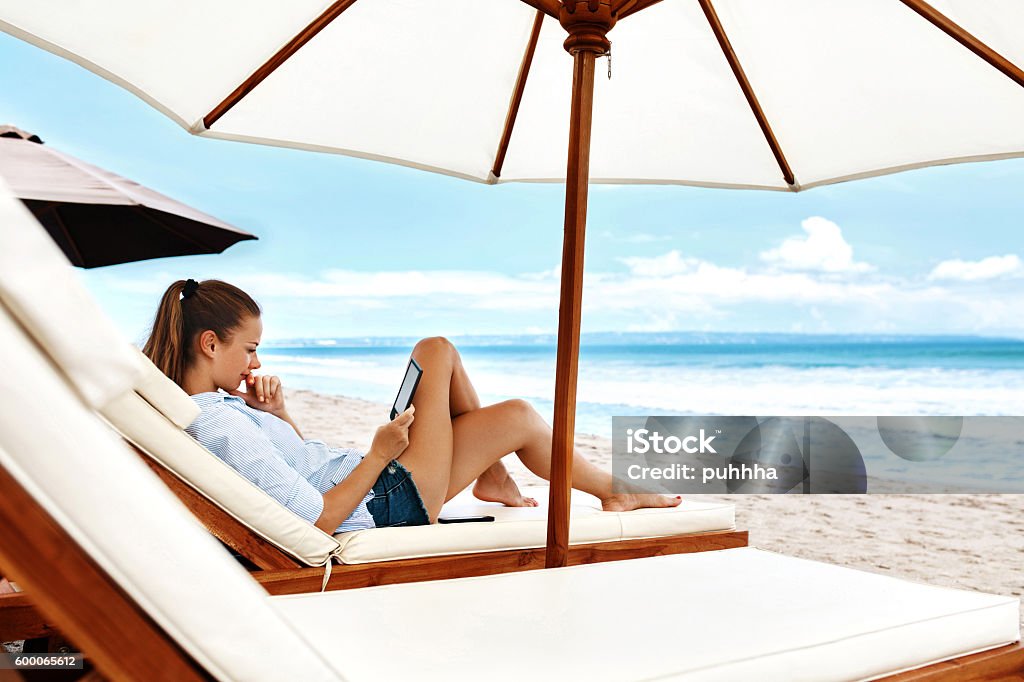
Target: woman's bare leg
{"points": [[494, 484], [429, 453], [482, 436], [445, 455], [462, 397]]}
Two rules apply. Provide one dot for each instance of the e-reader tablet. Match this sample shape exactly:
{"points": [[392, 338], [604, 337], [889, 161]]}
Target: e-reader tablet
{"points": [[412, 379]]}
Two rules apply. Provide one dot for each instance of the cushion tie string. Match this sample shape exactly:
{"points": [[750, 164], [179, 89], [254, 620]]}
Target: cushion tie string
{"points": [[327, 573]]}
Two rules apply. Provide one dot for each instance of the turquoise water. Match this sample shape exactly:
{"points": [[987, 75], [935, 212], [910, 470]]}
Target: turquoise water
{"points": [[691, 373]]}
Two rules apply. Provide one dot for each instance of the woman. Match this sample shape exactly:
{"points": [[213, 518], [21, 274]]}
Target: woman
{"points": [[205, 337]]}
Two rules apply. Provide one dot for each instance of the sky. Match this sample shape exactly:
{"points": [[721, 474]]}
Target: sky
{"points": [[355, 248]]}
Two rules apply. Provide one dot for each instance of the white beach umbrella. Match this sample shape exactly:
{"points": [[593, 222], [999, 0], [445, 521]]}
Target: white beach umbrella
{"points": [[848, 88], [771, 94]]}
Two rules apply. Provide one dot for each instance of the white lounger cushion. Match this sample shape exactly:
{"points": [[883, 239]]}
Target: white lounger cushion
{"points": [[140, 423], [524, 527], [734, 614], [163, 394]]}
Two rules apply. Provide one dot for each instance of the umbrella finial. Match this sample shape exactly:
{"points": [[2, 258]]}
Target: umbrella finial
{"points": [[588, 22]]}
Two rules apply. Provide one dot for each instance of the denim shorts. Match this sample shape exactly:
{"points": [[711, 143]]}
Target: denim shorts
{"points": [[396, 499]]}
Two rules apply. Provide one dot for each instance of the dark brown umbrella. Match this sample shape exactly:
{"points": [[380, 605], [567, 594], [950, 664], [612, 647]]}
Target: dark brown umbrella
{"points": [[99, 218]]}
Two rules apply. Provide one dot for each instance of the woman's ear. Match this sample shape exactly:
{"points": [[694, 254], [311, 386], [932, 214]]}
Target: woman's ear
{"points": [[208, 343]]}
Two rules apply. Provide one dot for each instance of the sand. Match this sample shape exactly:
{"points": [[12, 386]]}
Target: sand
{"points": [[968, 541]]}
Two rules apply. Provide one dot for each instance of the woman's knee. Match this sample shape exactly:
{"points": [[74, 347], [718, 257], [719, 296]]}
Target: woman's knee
{"points": [[434, 346], [523, 412]]}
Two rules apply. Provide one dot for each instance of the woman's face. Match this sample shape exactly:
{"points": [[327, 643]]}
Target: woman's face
{"points": [[233, 360]]}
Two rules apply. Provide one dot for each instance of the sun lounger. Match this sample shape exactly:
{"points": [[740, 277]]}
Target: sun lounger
{"points": [[153, 415], [120, 566]]}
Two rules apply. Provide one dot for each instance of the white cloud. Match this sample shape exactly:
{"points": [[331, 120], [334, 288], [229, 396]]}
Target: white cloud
{"points": [[669, 281], [671, 263], [823, 249], [553, 273], [656, 293], [971, 271]]}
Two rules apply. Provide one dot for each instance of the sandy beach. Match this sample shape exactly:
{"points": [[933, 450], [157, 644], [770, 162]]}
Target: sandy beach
{"points": [[973, 542]]}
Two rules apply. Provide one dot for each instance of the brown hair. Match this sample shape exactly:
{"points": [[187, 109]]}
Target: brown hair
{"points": [[213, 305]]}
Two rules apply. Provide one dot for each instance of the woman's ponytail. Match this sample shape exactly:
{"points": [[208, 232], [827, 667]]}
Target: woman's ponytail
{"points": [[211, 304]]}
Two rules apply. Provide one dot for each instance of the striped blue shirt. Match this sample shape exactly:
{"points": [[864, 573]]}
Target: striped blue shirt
{"points": [[267, 451]]}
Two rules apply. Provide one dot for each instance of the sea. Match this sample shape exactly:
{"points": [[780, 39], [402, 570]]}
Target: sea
{"points": [[684, 373]]}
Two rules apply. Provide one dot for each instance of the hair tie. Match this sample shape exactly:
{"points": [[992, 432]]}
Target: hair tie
{"points": [[191, 286]]}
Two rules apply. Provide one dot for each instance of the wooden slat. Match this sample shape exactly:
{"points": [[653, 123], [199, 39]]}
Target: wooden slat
{"points": [[748, 91], [570, 306], [271, 65], [517, 95], [221, 525], [490, 563], [957, 33], [20, 619], [1005, 664], [73, 592]]}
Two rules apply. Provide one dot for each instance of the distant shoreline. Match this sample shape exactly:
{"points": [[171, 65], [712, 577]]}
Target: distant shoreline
{"points": [[642, 338]]}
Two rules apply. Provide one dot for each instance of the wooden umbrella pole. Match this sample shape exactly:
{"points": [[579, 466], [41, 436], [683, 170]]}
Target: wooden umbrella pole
{"points": [[587, 22]]}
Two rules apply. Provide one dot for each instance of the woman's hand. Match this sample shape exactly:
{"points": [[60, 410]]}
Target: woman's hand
{"points": [[392, 439], [262, 393]]}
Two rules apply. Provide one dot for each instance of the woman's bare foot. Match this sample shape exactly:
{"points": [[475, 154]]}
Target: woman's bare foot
{"points": [[499, 487], [630, 501]]}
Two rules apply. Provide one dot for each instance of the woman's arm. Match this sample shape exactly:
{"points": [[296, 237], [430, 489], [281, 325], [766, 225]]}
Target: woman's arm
{"points": [[241, 444], [265, 393], [341, 500], [388, 443]]}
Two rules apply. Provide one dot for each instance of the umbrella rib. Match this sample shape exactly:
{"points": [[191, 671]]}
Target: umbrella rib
{"points": [[957, 33], [153, 215], [271, 65], [517, 95], [626, 7], [549, 7], [748, 91], [64, 229]]}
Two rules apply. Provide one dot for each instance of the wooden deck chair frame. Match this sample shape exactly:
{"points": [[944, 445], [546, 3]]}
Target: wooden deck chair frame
{"points": [[123, 642]]}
